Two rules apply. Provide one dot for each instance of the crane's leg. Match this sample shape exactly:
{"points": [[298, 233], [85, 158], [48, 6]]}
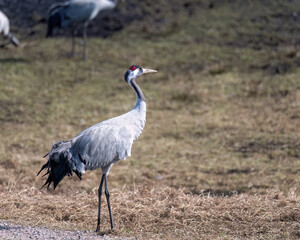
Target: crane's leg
{"points": [[99, 207], [84, 40], [108, 203]]}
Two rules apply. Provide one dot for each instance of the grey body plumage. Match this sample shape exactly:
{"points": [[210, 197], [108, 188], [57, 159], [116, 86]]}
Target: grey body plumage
{"points": [[101, 145], [74, 13]]}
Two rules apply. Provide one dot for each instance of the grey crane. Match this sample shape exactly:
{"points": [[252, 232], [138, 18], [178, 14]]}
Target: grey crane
{"points": [[101, 145], [74, 13], [4, 29]]}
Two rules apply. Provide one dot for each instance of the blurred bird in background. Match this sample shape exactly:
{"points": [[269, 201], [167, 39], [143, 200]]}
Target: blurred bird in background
{"points": [[4, 29], [74, 13]]}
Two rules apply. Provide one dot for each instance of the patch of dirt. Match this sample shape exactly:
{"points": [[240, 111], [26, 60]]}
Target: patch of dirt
{"points": [[12, 231], [262, 146]]}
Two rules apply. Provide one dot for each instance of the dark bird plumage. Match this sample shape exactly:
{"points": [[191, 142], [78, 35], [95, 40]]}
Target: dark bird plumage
{"points": [[59, 163]]}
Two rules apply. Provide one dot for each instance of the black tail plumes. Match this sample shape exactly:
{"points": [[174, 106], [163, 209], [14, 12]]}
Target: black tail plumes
{"points": [[59, 164], [55, 17], [53, 21]]}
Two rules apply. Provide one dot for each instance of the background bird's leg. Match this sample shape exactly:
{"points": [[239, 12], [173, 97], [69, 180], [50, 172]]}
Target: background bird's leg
{"points": [[84, 40], [99, 207], [108, 203], [74, 35]]}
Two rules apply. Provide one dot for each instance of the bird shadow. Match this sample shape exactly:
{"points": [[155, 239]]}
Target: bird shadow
{"points": [[106, 232], [14, 60]]}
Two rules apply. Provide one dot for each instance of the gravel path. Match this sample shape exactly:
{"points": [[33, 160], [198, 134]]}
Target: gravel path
{"points": [[9, 231]]}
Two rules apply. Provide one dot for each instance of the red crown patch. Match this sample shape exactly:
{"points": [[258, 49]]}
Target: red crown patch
{"points": [[132, 68]]}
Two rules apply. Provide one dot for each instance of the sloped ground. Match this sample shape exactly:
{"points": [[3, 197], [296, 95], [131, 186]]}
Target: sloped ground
{"points": [[223, 119]]}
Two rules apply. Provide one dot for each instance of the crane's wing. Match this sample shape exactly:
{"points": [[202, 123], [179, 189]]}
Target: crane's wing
{"points": [[103, 144], [73, 12], [79, 11]]}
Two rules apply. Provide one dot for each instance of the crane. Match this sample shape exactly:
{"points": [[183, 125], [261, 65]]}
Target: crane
{"points": [[4, 29], [74, 13], [101, 145]]}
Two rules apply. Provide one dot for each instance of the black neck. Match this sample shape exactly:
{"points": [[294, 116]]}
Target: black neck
{"points": [[137, 90]]}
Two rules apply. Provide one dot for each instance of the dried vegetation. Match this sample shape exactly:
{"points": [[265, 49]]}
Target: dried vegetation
{"points": [[162, 213]]}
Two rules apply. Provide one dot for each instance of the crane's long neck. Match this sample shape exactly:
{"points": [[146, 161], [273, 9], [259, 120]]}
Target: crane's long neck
{"points": [[138, 113], [139, 93]]}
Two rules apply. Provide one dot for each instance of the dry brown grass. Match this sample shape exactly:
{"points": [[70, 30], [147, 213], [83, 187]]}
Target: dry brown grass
{"points": [[161, 213]]}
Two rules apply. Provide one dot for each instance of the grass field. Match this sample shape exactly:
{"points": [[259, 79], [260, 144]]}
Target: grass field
{"points": [[219, 156]]}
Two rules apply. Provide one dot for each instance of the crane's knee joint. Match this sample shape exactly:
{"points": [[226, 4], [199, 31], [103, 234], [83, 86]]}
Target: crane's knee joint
{"points": [[107, 193]]}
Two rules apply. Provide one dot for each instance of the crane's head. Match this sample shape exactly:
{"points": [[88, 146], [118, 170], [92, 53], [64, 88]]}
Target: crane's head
{"points": [[135, 71]]}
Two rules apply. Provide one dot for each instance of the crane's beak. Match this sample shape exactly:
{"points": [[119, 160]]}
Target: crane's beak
{"points": [[145, 70]]}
